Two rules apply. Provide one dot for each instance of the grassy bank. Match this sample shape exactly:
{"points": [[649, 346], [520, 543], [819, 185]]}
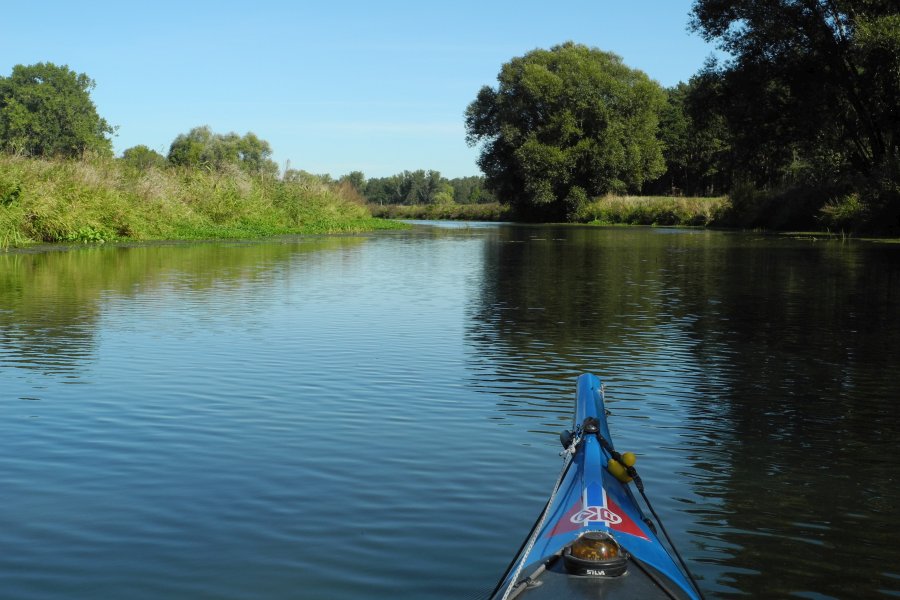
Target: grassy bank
{"points": [[103, 200], [443, 211], [654, 210], [607, 210]]}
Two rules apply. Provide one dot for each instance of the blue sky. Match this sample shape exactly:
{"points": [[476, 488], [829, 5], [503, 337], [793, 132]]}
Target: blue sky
{"points": [[378, 87]]}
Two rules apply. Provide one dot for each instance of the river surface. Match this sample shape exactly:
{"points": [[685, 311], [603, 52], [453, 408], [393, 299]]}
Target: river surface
{"points": [[376, 416]]}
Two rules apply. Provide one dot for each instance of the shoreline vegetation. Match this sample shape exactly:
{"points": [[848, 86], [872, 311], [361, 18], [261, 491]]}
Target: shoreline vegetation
{"points": [[570, 134], [654, 210], [100, 199], [449, 211], [606, 210]]}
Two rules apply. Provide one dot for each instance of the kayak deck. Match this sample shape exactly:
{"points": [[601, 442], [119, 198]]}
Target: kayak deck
{"points": [[556, 583], [593, 540]]}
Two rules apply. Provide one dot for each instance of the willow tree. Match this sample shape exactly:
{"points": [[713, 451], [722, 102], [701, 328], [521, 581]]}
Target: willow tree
{"points": [[201, 147], [565, 124]]}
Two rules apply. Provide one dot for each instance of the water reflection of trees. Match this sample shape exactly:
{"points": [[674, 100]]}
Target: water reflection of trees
{"points": [[559, 301], [804, 341], [789, 349], [51, 301]]}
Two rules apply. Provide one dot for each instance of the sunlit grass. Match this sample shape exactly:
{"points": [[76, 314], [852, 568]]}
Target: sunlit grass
{"points": [[102, 200], [607, 210], [443, 211], [653, 210]]}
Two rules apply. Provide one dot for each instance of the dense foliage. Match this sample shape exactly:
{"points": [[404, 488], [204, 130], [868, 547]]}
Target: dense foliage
{"points": [[141, 157], [46, 110], [471, 190], [484, 211], [810, 96], [200, 147], [408, 187], [565, 124], [696, 146], [419, 187]]}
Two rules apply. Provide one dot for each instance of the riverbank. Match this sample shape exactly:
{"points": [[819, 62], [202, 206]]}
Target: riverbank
{"points": [[606, 210], [775, 213], [654, 210], [451, 211], [101, 200]]}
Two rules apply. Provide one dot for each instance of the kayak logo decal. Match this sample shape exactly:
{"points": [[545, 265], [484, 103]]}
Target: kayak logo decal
{"points": [[596, 513], [581, 515]]}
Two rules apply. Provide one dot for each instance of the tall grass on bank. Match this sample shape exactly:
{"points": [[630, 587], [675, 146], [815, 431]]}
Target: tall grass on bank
{"points": [[100, 200], [653, 210], [443, 211], [607, 210]]}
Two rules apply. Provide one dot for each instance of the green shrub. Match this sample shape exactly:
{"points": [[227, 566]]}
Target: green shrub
{"points": [[844, 214]]}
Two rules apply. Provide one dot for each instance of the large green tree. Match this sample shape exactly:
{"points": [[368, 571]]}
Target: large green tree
{"points": [[46, 110], [201, 147], [810, 91], [564, 124]]}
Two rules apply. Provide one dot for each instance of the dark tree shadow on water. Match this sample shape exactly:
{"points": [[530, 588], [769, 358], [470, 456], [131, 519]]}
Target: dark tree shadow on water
{"points": [[782, 353]]}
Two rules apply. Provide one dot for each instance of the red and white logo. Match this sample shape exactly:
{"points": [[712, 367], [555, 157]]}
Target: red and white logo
{"points": [[581, 514], [595, 513]]}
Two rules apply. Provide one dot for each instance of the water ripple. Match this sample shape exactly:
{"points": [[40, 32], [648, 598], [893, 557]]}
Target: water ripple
{"points": [[349, 417]]}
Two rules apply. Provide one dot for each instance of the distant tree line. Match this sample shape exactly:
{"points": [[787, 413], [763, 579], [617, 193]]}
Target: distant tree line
{"points": [[409, 188], [420, 187]]}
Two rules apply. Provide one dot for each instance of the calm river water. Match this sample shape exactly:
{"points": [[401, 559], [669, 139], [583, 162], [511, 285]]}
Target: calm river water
{"points": [[376, 416]]}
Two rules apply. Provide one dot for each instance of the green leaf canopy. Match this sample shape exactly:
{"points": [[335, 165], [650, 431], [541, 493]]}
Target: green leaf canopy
{"points": [[201, 147], [564, 124], [46, 110]]}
